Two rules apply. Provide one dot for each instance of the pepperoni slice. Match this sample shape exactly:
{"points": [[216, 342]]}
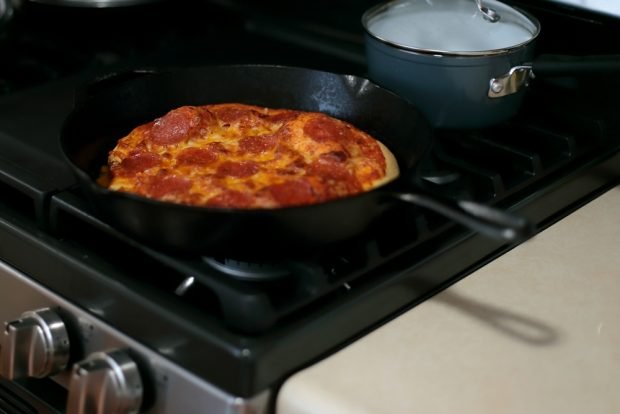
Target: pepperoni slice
{"points": [[237, 169], [341, 181], [259, 143], [368, 147], [232, 114], [231, 199], [329, 170], [180, 124], [298, 166], [294, 192], [137, 161], [160, 186], [324, 129], [196, 156], [334, 157], [217, 147], [245, 117]]}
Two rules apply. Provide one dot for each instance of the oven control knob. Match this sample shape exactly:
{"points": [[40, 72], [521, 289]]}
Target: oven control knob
{"points": [[35, 345], [105, 382]]}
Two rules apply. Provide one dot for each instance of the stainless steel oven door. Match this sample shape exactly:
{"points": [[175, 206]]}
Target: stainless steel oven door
{"points": [[38, 324]]}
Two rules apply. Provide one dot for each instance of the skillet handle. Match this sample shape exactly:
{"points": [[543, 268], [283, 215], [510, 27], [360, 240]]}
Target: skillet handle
{"points": [[561, 65], [484, 219]]}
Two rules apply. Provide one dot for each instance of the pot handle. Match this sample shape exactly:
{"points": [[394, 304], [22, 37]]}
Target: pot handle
{"points": [[562, 65], [519, 77], [484, 219]]}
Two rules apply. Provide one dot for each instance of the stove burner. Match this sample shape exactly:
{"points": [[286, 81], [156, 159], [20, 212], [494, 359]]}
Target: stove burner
{"points": [[249, 271]]}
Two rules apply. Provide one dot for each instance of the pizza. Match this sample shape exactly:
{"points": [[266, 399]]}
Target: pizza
{"points": [[243, 156]]}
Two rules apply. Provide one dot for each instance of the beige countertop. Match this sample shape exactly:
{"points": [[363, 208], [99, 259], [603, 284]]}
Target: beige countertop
{"points": [[535, 331]]}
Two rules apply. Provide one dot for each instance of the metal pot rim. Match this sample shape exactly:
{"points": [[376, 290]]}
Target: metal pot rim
{"points": [[6, 12], [98, 4], [379, 8]]}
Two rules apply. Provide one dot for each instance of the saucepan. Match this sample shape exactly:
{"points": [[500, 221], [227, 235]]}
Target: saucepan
{"points": [[111, 107], [94, 3], [6, 13], [463, 63]]}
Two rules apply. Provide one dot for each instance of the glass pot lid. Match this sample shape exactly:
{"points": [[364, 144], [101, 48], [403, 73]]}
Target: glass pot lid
{"points": [[452, 27], [6, 12]]}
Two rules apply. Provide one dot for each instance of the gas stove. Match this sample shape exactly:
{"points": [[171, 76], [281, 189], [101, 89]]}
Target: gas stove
{"points": [[94, 315]]}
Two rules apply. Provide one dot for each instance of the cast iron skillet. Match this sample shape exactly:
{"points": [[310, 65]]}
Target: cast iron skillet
{"points": [[115, 105]]}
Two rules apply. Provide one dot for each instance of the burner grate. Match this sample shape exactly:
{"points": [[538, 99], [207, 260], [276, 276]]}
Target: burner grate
{"points": [[29, 61], [254, 297]]}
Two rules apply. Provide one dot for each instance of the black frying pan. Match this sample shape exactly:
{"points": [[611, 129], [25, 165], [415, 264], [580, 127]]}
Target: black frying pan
{"points": [[114, 106]]}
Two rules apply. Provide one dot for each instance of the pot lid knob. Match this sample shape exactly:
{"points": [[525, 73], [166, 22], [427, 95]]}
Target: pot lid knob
{"points": [[488, 14]]}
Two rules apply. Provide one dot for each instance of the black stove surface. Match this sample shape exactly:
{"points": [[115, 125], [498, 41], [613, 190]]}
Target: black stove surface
{"points": [[212, 316]]}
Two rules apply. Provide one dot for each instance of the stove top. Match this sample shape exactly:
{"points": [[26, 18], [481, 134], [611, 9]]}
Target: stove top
{"points": [[211, 315]]}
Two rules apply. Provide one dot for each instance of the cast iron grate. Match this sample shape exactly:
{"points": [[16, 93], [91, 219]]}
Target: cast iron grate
{"points": [[487, 166], [32, 60]]}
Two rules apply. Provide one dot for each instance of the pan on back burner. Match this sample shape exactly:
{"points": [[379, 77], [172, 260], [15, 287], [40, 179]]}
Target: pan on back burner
{"points": [[6, 13]]}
